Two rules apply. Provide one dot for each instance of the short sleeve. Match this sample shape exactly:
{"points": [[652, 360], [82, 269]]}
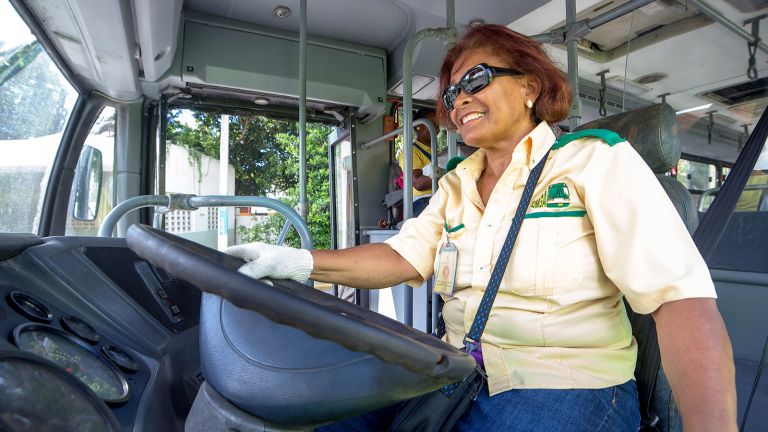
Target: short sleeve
{"points": [[643, 245], [418, 238]]}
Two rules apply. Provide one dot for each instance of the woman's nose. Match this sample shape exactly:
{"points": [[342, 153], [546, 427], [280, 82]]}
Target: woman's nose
{"points": [[462, 98]]}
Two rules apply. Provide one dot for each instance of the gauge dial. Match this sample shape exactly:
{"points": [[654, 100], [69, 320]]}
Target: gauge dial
{"points": [[80, 328], [35, 395], [29, 306], [76, 357], [120, 358]]}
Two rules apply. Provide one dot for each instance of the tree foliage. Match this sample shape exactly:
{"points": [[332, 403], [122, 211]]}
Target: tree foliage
{"points": [[265, 155], [33, 94]]}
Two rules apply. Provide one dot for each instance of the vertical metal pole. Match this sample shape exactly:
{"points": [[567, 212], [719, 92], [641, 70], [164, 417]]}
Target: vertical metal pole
{"points": [[161, 147], [223, 213], [303, 112], [447, 33], [573, 64], [452, 148], [160, 155], [362, 297], [332, 200]]}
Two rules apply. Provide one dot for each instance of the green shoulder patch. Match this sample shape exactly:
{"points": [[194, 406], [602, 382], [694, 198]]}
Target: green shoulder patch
{"points": [[610, 137]]}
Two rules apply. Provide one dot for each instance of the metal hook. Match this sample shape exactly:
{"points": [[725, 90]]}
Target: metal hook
{"points": [[601, 92], [752, 45], [743, 137], [710, 126], [663, 97]]}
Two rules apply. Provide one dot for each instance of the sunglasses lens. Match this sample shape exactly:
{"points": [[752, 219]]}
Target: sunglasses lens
{"points": [[476, 80], [449, 96], [472, 82]]}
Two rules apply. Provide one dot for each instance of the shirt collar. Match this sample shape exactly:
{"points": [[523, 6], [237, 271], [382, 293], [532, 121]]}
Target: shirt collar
{"points": [[531, 148], [541, 139]]}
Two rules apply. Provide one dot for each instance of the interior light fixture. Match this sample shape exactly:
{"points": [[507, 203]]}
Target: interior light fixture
{"points": [[261, 101], [282, 11], [696, 108], [652, 78]]}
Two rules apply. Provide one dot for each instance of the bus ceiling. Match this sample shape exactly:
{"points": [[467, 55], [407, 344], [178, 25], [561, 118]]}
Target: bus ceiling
{"points": [[652, 50]]}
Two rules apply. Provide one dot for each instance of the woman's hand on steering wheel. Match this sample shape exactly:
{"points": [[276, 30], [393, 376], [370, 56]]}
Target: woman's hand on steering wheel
{"points": [[276, 262]]}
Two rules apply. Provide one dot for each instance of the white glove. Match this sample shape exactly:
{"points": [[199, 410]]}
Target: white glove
{"points": [[277, 262]]}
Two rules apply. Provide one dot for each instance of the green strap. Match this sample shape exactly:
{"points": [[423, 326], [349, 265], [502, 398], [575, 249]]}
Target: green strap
{"points": [[610, 137], [454, 229]]}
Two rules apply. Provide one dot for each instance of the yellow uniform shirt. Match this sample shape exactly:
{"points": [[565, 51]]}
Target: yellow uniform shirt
{"points": [[599, 225], [420, 160]]}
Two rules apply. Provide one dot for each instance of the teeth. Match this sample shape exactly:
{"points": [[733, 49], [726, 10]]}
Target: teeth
{"points": [[471, 117]]}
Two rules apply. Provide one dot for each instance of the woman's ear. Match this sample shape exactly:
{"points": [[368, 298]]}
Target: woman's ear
{"points": [[532, 86]]}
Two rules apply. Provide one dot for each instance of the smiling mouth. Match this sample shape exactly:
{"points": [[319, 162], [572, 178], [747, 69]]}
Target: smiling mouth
{"points": [[468, 118]]}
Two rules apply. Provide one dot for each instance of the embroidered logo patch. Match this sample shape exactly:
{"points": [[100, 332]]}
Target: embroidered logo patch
{"points": [[556, 196]]}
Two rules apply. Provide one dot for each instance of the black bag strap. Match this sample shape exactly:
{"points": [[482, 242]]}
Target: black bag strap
{"points": [[472, 338], [648, 355], [426, 154]]}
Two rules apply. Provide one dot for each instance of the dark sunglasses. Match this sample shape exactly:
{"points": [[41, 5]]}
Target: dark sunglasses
{"points": [[476, 79]]}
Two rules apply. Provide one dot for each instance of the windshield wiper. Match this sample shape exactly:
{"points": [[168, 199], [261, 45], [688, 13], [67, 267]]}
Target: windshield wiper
{"points": [[20, 59]]}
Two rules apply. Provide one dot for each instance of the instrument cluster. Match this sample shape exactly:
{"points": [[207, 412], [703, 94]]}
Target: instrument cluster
{"points": [[52, 358]]}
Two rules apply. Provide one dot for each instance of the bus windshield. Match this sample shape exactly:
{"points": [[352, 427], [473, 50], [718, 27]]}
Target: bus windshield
{"points": [[35, 103]]}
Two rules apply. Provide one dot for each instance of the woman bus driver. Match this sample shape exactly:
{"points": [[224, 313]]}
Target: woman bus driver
{"points": [[558, 347]]}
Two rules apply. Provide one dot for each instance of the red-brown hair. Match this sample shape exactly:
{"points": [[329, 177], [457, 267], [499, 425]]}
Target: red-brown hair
{"points": [[521, 53]]}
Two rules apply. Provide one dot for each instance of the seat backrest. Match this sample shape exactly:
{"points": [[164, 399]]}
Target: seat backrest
{"points": [[653, 132]]}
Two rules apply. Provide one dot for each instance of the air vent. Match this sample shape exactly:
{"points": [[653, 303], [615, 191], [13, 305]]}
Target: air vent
{"points": [[423, 86], [650, 24], [739, 93], [747, 6]]}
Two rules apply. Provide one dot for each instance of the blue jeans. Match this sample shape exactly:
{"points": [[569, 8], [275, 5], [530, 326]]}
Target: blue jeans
{"points": [[611, 409], [419, 205]]}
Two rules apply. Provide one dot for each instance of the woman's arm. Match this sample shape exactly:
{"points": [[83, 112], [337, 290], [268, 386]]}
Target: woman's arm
{"points": [[698, 360], [374, 265]]}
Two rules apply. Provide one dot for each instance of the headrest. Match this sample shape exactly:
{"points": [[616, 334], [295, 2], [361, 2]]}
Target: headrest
{"points": [[652, 131]]}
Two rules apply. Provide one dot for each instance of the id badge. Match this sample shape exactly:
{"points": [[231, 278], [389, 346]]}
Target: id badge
{"points": [[446, 269]]}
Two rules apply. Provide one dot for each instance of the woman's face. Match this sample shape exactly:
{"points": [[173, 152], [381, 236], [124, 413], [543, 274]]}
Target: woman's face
{"points": [[496, 116]]}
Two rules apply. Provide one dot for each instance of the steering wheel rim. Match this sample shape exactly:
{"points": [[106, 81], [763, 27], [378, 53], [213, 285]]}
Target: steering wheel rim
{"points": [[291, 303]]}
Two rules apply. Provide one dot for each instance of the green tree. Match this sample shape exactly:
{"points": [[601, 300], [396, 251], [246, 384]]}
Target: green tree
{"points": [[318, 197], [254, 151], [265, 155]]}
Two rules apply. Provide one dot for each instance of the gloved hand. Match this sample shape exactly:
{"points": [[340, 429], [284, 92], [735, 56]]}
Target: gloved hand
{"points": [[277, 262]]}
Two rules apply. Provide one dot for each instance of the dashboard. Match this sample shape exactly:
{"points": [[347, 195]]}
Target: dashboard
{"points": [[95, 338]]}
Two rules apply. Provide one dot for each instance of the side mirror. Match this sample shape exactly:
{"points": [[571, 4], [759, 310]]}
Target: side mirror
{"points": [[88, 177]]}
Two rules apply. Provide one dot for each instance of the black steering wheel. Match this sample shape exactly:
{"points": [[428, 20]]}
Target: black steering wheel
{"points": [[291, 354]]}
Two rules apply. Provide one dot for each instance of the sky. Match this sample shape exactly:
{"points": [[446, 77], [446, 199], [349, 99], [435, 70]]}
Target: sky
{"points": [[15, 32]]}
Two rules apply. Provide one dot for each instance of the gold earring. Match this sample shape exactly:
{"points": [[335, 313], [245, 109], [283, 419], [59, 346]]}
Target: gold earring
{"points": [[529, 103]]}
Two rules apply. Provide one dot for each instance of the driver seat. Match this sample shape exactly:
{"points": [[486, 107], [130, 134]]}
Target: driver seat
{"points": [[658, 143]]}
